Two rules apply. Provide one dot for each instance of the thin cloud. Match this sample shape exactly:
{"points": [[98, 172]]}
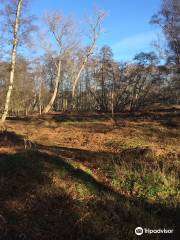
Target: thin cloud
{"points": [[129, 46]]}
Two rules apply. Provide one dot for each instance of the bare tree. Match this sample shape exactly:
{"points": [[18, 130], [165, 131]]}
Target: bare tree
{"points": [[18, 7], [18, 27], [95, 31], [62, 30], [168, 18]]}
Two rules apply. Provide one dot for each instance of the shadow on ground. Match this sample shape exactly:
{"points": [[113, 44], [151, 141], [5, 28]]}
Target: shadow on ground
{"points": [[9, 138], [34, 206]]}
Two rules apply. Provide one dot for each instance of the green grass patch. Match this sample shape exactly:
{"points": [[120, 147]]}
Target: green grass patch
{"points": [[147, 183], [124, 144]]}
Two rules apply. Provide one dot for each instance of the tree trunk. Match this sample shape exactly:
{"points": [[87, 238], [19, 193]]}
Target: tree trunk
{"points": [[40, 95], [112, 104], [51, 102], [80, 71], [13, 61]]}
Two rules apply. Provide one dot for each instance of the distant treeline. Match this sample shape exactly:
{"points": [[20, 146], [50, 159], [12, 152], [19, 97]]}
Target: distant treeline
{"points": [[69, 76]]}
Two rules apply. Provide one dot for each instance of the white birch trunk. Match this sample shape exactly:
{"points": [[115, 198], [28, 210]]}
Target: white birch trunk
{"points": [[13, 61], [51, 102], [81, 69]]}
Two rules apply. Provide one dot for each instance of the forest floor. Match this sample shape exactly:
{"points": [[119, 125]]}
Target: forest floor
{"points": [[86, 177]]}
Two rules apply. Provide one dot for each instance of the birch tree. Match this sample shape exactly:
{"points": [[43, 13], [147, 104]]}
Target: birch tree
{"points": [[62, 30], [17, 27], [95, 31], [18, 7]]}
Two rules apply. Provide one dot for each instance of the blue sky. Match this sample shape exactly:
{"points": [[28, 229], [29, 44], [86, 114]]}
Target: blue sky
{"points": [[127, 28]]}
